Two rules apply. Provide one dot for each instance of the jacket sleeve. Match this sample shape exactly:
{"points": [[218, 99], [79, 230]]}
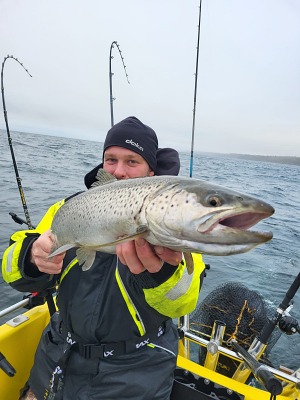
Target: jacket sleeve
{"points": [[178, 294], [17, 269]]}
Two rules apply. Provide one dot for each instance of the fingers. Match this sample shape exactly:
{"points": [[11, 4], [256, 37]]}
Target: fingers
{"points": [[150, 260], [139, 256], [40, 251], [128, 256], [169, 256]]}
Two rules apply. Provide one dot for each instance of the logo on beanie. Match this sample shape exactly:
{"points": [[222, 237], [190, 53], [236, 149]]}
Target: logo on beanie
{"points": [[130, 141]]}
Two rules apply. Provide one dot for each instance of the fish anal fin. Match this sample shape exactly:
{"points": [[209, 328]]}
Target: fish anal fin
{"points": [[85, 258], [189, 262]]}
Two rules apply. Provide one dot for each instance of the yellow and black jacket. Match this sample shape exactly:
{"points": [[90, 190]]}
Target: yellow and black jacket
{"points": [[109, 286], [106, 304]]}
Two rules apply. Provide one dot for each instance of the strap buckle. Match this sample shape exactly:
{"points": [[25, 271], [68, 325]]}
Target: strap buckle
{"points": [[101, 351], [108, 350]]}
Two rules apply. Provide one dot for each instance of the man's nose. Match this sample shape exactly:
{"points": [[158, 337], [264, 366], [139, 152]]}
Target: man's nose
{"points": [[120, 172]]}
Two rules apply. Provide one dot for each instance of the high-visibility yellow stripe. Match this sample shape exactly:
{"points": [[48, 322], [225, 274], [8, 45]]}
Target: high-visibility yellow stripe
{"points": [[67, 269], [179, 294], [10, 262], [131, 308], [10, 270]]}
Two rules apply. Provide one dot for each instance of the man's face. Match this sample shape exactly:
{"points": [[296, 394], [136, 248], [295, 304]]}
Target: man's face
{"points": [[124, 163]]}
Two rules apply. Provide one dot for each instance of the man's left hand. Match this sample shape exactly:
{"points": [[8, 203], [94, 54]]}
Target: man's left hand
{"points": [[139, 256]]}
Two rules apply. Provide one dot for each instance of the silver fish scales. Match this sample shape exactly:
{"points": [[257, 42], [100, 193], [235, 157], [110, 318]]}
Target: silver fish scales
{"points": [[183, 214]]}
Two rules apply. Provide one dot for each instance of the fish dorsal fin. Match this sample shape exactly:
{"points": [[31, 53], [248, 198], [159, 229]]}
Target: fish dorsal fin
{"points": [[102, 178]]}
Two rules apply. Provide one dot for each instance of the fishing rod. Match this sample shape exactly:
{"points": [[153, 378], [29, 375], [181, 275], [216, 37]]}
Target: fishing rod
{"points": [[184, 320], [26, 212], [261, 372], [110, 78], [280, 313], [195, 94]]}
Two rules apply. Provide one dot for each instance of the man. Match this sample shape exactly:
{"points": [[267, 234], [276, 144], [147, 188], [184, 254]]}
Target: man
{"points": [[106, 341]]}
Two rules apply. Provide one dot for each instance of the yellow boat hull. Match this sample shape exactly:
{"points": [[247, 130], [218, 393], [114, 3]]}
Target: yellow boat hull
{"points": [[18, 345]]}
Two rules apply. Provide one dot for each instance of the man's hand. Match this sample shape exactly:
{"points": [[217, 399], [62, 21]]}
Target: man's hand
{"points": [[139, 256], [40, 251]]}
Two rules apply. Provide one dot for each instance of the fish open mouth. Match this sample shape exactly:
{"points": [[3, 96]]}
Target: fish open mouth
{"points": [[237, 227], [243, 221]]}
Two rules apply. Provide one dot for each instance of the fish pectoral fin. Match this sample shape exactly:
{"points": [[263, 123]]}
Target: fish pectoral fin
{"points": [[55, 251], [123, 239], [189, 262], [85, 258]]}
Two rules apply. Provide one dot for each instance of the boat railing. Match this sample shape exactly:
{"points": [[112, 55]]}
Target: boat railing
{"points": [[195, 338], [14, 307]]}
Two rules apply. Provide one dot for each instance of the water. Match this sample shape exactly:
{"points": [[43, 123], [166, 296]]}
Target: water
{"points": [[53, 168]]}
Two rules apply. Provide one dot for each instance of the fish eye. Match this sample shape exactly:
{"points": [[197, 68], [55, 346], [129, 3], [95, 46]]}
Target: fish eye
{"points": [[214, 201]]}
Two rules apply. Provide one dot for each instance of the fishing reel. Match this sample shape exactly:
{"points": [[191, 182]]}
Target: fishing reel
{"points": [[288, 324]]}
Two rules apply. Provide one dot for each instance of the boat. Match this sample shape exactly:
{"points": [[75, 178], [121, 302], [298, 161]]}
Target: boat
{"points": [[19, 337]]}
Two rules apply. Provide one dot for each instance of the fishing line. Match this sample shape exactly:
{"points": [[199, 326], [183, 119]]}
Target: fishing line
{"points": [[26, 212], [110, 78], [195, 94]]}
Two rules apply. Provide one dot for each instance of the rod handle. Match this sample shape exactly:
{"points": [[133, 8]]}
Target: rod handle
{"points": [[270, 382], [260, 371], [6, 366], [290, 293]]}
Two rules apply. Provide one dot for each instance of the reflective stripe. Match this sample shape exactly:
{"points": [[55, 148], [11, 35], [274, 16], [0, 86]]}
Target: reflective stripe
{"points": [[10, 267], [9, 258], [181, 286], [130, 305], [153, 345], [11, 270], [179, 294], [67, 269]]}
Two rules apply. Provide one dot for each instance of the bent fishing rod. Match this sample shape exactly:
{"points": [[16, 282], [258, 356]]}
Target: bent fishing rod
{"points": [[110, 78], [21, 191]]}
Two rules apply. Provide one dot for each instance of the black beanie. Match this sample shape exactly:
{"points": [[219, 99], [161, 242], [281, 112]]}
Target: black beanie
{"points": [[132, 134], [168, 163]]}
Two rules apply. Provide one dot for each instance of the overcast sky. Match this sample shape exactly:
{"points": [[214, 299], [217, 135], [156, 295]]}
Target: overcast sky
{"points": [[248, 98]]}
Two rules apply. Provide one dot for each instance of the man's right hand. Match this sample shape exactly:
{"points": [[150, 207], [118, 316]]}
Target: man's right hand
{"points": [[40, 251]]}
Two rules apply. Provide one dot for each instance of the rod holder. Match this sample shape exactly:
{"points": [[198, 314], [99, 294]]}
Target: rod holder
{"points": [[216, 339]]}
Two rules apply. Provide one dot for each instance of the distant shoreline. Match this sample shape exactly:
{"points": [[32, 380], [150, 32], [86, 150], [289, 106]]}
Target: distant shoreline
{"points": [[272, 159], [291, 160]]}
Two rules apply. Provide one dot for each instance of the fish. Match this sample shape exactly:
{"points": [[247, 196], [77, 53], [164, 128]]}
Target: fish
{"points": [[182, 214]]}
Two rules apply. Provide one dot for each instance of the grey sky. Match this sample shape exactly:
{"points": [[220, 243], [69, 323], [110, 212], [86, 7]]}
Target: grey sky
{"points": [[249, 70]]}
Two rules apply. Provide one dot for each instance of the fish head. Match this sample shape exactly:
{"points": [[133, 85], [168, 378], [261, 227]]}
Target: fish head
{"points": [[210, 219]]}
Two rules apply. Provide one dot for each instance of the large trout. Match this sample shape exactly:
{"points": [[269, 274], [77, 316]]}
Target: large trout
{"points": [[183, 214]]}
